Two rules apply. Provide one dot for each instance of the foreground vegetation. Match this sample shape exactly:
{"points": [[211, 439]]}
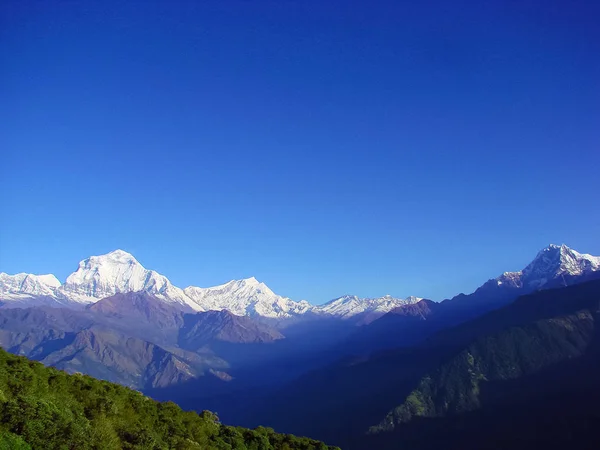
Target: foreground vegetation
{"points": [[44, 408]]}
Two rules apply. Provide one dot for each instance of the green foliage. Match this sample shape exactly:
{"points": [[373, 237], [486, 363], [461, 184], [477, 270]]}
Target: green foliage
{"points": [[9, 441], [44, 408]]}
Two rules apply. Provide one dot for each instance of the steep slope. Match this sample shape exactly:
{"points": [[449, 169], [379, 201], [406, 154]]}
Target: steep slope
{"points": [[140, 314], [82, 341], [543, 350], [129, 361], [562, 414], [446, 374], [44, 408], [222, 326], [138, 340], [36, 332]]}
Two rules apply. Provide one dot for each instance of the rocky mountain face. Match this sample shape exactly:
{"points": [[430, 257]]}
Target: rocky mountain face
{"points": [[201, 329], [142, 314], [129, 361], [134, 339]]}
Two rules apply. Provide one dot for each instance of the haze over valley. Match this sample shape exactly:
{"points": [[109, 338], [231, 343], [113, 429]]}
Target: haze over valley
{"points": [[253, 356]]}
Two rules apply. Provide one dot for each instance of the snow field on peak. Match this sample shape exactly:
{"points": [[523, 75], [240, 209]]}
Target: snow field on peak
{"points": [[350, 305], [116, 272]]}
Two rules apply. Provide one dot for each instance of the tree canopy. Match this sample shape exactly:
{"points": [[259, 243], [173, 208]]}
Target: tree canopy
{"points": [[45, 408]]}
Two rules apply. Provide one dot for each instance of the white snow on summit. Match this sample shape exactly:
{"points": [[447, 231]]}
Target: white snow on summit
{"points": [[550, 263], [351, 305], [98, 277], [554, 261], [24, 286], [102, 276], [247, 297]]}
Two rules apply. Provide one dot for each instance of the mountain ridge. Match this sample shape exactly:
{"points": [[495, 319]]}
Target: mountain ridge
{"points": [[118, 272], [98, 277]]}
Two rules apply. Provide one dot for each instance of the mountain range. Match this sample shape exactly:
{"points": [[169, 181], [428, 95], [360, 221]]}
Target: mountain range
{"points": [[99, 277], [375, 366]]}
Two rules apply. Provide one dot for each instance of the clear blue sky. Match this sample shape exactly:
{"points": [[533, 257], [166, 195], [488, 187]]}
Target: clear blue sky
{"points": [[325, 147]]}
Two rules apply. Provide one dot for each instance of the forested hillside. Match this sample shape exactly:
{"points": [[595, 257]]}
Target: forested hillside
{"points": [[543, 346], [44, 408]]}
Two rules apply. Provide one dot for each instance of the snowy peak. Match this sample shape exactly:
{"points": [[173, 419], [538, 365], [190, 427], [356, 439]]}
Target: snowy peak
{"points": [[118, 272], [351, 305], [552, 262], [24, 285], [109, 274], [246, 297], [555, 261], [48, 280]]}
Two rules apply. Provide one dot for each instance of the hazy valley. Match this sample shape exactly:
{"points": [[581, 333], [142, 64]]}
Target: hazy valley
{"points": [[373, 366]]}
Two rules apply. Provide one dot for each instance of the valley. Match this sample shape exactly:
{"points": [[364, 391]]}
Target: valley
{"points": [[354, 372]]}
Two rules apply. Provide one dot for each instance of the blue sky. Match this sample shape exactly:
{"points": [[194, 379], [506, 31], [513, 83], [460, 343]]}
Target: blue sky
{"points": [[410, 148]]}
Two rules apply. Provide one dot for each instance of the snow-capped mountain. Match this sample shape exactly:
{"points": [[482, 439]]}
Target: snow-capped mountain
{"points": [[25, 286], [117, 272], [556, 261], [246, 297], [552, 263], [351, 305], [554, 266], [98, 277]]}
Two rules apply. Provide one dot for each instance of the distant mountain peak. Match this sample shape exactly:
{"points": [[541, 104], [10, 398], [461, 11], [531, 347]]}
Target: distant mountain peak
{"points": [[119, 253], [117, 272], [251, 280], [557, 260], [553, 266], [246, 297], [351, 305], [27, 285], [117, 256]]}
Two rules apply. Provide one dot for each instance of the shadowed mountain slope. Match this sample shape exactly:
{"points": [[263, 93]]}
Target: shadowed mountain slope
{"points": [[446, 374]]}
